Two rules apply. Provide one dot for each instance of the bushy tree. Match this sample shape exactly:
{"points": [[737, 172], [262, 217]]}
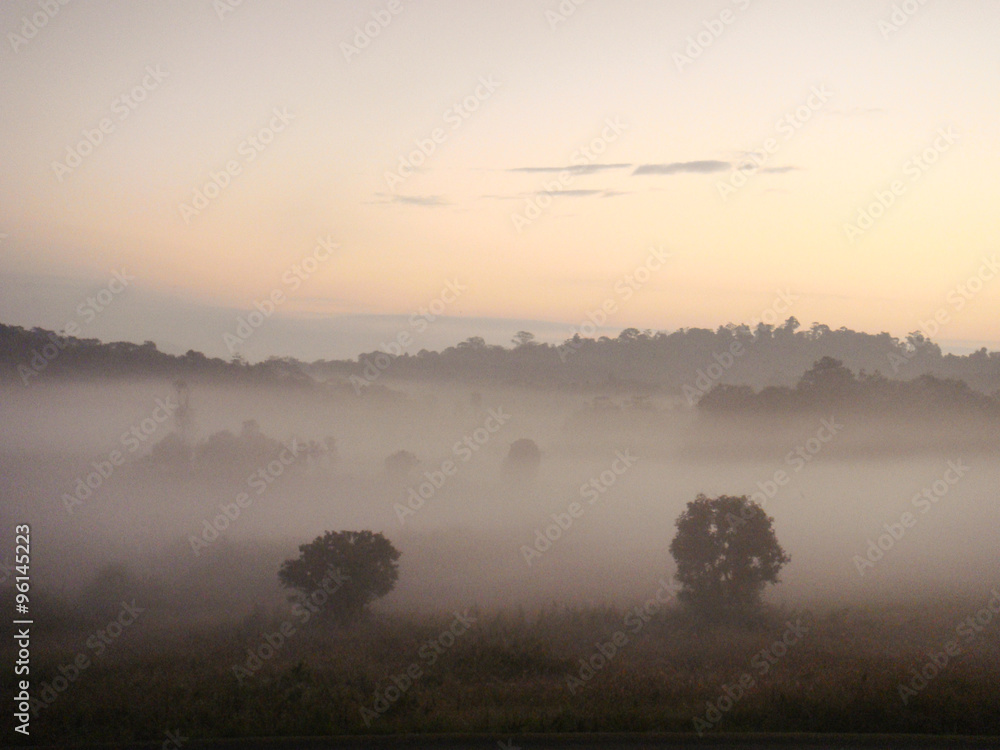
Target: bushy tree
{"points": [[353, 567], [726, 552], [523, 458], [399, 464]]}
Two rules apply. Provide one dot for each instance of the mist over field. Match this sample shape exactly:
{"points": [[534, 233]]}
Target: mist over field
{"points": [[475, 530], [520, 514], [523, 374], [632, 468]]}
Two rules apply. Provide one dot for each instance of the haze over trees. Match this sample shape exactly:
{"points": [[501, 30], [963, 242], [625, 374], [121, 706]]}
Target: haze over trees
{"points": [[769, 356], [523, 458], [488, 375], [838, 454], [828, 384], [726, 553], [362, 564]]}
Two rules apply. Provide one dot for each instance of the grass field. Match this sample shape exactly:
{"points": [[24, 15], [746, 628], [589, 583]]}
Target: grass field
{"points": [[273, 673]]}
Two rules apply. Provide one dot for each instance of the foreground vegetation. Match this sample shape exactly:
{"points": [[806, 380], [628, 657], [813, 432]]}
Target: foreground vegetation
{"points": [[280, 673]]}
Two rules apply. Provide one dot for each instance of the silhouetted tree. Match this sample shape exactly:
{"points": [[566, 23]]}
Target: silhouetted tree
{"points": [[399, 464], [523, 338], [172, 451], [353, 567], [726, 552], [523, 458], [828, 377]]}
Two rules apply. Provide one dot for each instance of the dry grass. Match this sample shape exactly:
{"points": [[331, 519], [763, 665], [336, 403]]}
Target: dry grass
{"points": [[508, 674]]}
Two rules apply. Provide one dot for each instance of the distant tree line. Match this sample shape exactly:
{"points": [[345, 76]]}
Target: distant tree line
{"points": [[37, 354], [769, 356], [829, 385], [224, 448]]}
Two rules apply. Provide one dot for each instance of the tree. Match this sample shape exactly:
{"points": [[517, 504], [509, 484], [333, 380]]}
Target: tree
{"points": [[399, 464], [353, 567], [523, 458], [473, 342], [523, 338], [726, 552], [828, 377]]}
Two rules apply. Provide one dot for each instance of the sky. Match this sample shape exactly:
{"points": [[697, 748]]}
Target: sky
{"points": [[335, 174]]}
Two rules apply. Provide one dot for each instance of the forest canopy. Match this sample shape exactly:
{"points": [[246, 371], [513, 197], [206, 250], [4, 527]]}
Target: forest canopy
{"points": [[765, 356]]}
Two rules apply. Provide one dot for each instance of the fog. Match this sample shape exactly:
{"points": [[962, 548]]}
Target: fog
{"points": [[472, 528]]}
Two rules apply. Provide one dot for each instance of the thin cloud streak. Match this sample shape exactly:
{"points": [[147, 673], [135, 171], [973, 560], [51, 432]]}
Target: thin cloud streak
{"points": [[683, 167]]}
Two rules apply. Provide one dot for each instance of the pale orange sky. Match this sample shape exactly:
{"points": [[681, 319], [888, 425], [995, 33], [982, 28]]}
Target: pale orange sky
{"points": [[846, 104]]}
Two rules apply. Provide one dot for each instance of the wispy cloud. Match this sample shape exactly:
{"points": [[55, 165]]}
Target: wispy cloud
{"points": [[412, 200], [683, 167], [569, 193], [573, 169], [421, 200], [579, 193]]}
